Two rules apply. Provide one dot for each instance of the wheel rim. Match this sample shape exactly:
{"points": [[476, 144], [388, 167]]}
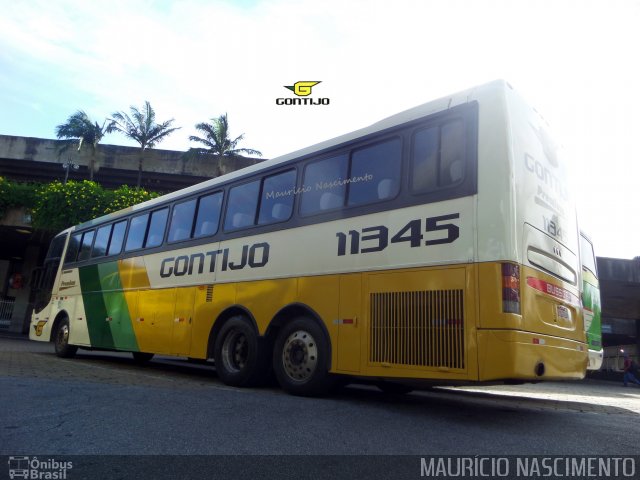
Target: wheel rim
{"points": [[63, 336], [235, 351], [300, 355]]}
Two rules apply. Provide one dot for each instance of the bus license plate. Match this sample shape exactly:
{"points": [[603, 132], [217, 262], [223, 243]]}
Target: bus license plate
{"points": [[563, 312]]}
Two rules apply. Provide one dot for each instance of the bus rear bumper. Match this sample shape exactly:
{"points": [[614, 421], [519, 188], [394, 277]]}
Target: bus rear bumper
{"points": [[513, 354]]}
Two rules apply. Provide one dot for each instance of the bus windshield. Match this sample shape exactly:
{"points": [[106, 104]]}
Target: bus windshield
{"points": [[45, 276]]}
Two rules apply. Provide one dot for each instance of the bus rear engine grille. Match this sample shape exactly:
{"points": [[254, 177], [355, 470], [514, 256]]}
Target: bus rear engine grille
{"points": [[424, 328]]}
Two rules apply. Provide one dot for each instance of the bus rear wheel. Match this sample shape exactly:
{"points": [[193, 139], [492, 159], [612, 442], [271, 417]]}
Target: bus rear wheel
{"points": [[241, 356], [61, 340], [301, 359]]}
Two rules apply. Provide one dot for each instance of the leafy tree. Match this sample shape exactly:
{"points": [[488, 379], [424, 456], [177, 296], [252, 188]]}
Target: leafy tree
{"points": [[56, 206], [15, 194], [217, 141], [61, 205], [80, 128], [141, 126], [125, 196]]}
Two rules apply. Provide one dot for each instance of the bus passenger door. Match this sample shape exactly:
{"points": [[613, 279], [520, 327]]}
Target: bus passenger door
{"points": [[350, 323], [182, 321]]}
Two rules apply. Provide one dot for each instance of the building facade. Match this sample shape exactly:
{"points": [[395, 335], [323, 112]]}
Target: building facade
{"points": [[620, 293], [26, 159]]}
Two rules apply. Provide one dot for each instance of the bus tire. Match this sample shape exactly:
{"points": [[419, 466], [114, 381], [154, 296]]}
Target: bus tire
{"points": [[61, 340], [141, 357], [241, 356], [301, 359]]}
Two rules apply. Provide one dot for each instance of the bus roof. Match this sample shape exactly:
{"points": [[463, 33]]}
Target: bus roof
{"points": [[425, 109]]}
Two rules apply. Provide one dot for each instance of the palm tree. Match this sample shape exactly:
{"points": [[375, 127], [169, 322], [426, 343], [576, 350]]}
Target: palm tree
{"points": [[141, 126], [80, 127], [216, 138]]}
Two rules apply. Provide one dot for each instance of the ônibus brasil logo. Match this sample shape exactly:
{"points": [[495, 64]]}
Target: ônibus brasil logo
{"points": [[302, 89], [33, 468]]}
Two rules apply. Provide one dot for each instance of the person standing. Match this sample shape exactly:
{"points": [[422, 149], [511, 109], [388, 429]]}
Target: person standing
{"points": [[628, 369]]}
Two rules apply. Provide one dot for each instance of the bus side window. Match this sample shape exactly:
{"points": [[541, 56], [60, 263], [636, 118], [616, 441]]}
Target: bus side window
{"points": [[452, 153], [117, 238], [588, 256], [375, 172], [85, 248], [325, 185], [182, 220], [276, 203], [242, 205], [138, 228], [102, 240], [438, 157], [157, 227], [72, 249], [208, 218], [424, 161]]}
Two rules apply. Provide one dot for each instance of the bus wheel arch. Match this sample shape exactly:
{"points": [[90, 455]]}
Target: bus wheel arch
{"points": [[62, 314], [60, 336], [241, 355]]}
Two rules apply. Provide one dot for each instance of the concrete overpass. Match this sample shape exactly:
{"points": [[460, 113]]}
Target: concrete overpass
{"points": [[27, 159]]}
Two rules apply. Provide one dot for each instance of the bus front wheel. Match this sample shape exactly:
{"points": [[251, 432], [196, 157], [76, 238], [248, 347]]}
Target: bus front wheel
{"points": [[61, 340], [301, 358], [241, 356]]}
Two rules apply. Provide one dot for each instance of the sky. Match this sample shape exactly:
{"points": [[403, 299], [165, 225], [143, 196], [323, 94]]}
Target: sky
{"points": [[575, 61]]}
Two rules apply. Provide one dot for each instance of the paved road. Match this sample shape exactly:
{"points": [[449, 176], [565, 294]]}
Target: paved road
{"points": [[103, 403]]}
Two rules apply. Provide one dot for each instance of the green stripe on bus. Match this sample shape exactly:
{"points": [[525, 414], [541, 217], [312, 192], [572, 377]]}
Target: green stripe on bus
{"points": [[94, 307], [122, 333], [108, 319]]}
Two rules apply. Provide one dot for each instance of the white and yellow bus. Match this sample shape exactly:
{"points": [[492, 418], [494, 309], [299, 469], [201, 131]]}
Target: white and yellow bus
{"points": [[439, 245]]}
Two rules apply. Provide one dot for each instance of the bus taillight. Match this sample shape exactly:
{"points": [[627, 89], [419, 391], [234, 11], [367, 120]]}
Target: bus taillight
{"points": [[510, 288]]}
